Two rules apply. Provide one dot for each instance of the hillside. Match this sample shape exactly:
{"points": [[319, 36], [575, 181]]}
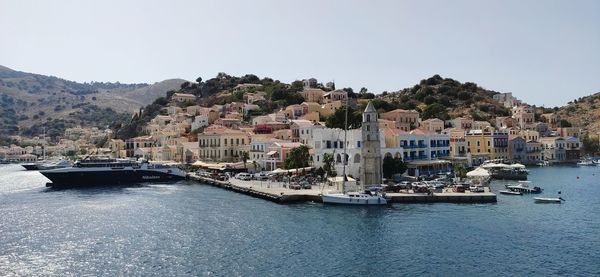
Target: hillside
{"points": [[444, 98], [583, 112], [219, 90], [29, 101], [433, 97]]}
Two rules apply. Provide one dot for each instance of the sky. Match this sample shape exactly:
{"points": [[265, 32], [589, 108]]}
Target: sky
{"points": [[544, 52]]}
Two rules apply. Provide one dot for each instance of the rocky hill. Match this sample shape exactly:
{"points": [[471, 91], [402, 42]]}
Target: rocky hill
{"points": [[433, 97], [444, 98], [583, 112], [29, 101]]}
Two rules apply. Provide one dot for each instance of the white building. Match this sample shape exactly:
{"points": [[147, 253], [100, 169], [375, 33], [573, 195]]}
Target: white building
{"points": [[199, 122]]}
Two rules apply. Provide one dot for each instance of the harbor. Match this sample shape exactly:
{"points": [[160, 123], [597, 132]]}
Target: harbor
{"points": [[278, 192], [175, 225]]}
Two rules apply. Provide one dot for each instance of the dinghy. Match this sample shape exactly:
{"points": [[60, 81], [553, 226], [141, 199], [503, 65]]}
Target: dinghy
{"points": [[548, 199]]}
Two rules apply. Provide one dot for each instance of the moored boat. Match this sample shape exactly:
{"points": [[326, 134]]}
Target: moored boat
{"points": [[31, 166], [586, 162], [111, 171], [524, 187], [548, 199], [510, 192], [354, 198]]}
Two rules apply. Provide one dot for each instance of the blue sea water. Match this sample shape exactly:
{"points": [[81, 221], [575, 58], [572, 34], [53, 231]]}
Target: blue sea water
{"points": [[192, 229]]}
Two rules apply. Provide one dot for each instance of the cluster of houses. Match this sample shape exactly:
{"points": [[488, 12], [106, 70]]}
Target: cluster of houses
{"points": [[226, 135], [74, 141]]}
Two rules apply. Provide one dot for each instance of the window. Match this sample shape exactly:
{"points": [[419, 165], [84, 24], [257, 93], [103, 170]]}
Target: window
{"points": [[368, 118], [368, 129]]}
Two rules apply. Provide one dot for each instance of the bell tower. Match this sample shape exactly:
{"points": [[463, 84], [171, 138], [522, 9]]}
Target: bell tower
{"points": [[371, 164]]}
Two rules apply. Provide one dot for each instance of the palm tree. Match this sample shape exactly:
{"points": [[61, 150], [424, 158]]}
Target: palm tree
{"points": [[255, 164], [245, 158], [328, 165]]}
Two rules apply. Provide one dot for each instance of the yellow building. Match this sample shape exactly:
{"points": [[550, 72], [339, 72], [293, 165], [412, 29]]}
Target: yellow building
{"points": [[494, 144], [405, 120], [218, 143]]}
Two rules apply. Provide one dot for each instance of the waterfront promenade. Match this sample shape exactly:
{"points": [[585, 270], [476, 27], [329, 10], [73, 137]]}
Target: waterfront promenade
{"points": [[279, 192]]}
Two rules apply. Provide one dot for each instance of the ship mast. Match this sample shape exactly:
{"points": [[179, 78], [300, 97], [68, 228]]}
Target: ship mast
{"points": [[345, 159], [44, 144]]}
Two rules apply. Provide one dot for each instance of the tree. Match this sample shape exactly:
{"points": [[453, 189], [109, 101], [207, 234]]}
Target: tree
{"points": [[245, 157], [350, 92], [255, 164], [392, 166], [328, 165], [298, 157], [565, 123], [435, 110], [199, 80], [338, 118], [320, 172], [591, 145], [460, 171], [429, 100]]}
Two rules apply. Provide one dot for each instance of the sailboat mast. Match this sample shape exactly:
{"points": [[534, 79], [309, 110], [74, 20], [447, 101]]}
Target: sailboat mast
{"points": [[44, 144], [344, 159]]}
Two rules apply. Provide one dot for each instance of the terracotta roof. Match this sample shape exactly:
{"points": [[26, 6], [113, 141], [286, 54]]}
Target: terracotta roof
{"points": [[393, 131]]}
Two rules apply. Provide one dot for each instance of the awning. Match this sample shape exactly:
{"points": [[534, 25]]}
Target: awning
{"points": [[494, 165], [279, 171], [271, 153], [478, 172]]}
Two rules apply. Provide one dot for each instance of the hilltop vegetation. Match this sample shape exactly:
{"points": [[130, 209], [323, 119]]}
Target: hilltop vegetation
{"points": [[444, 98], [432, 97]]}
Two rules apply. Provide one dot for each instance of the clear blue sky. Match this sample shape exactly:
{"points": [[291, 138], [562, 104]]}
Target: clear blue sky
{"points": [[545, 52]]}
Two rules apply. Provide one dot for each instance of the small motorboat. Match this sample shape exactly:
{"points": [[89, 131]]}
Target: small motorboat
{"points": [[586, 162], [510, 192], [524, 187], [548, 199]]}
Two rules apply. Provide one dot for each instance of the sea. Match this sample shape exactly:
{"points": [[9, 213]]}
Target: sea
{"points": [[191, 229]]}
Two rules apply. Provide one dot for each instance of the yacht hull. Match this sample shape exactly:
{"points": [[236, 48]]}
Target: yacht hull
{"points": [[107, 177], [344, 199], [30, 166]]}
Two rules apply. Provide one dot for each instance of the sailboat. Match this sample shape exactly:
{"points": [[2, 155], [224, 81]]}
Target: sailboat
{"points": [[365, 197]]}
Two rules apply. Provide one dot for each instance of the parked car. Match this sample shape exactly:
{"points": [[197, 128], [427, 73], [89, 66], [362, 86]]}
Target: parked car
{"points": [[244, 176], [295, 186], [305, 185], [261, 176]]}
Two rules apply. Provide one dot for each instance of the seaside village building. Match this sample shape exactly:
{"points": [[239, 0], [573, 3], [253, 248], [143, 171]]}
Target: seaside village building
{"points": [[404, 119], [221, 144]]}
